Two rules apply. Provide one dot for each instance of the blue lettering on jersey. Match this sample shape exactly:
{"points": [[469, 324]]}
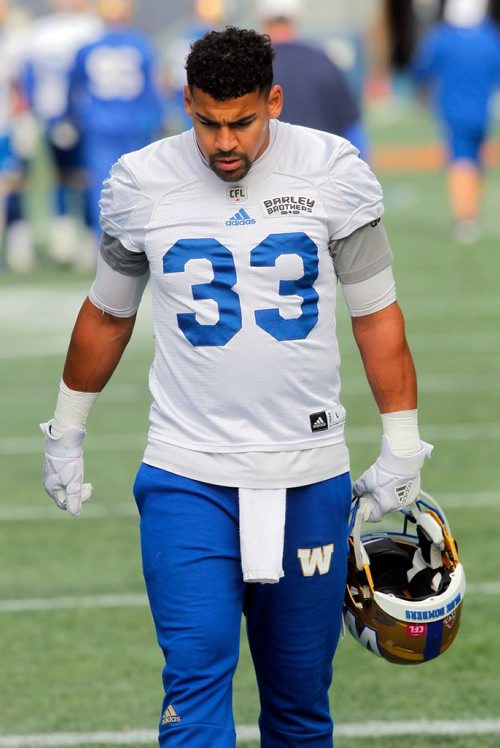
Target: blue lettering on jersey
{"points": [[220, 289], [265, 255]]}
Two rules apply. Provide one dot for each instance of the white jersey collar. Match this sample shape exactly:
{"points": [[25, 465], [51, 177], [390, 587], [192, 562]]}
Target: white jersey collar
{"points": [[261, 164]]}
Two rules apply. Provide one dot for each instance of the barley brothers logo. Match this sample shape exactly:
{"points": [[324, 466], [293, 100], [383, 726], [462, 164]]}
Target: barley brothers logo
{"points": [[287, 205]]}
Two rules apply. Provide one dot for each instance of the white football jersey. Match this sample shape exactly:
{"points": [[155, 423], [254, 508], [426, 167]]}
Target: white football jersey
{"points": [[243, 286]]}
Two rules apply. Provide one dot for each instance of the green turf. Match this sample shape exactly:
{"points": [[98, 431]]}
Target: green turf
{"points": [[100, 669]]}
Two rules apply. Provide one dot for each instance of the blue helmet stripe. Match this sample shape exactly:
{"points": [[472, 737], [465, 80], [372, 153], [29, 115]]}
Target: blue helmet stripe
{"points": [[434, 639]]}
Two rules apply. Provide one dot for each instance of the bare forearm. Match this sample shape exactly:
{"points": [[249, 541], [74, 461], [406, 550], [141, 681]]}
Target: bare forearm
{"points": [[387, 359], [97, 344]]}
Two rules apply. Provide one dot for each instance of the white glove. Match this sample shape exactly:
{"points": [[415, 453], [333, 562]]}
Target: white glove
{"points": [[63, 469], [392, 482]]}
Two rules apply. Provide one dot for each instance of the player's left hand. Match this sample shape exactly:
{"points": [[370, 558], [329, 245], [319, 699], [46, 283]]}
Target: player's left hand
{"points": [[391, 483], [63, 469]]}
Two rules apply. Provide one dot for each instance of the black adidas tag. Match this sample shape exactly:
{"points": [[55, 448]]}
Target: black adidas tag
{"points": [[319, 421]]}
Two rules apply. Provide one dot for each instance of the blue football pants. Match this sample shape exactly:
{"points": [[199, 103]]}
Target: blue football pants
{"points": [[192, 568]]}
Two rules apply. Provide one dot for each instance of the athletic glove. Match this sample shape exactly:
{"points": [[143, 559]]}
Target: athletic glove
{"points": [[63, 469], [392, 482]]}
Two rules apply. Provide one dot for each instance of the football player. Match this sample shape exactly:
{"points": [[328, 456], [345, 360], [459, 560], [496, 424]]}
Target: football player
{"points": [[459, 60], [114, 99], [316, 91], [244, 225], [54, 40]]}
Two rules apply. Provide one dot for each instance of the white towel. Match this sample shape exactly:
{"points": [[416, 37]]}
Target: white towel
{"points": [[262, 533]]}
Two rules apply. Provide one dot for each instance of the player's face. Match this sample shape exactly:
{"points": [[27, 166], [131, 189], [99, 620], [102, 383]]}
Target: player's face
{"points": [[231, 134]]}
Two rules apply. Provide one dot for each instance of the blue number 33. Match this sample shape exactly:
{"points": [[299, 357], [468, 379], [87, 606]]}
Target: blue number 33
{"points": [[220, 288]]}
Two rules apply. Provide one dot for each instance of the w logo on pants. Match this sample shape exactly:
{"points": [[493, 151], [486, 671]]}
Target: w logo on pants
{"points": [[312, 559]]}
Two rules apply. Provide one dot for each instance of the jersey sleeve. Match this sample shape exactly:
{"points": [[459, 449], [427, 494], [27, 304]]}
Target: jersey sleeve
{"points": [[352, 195], [125, 209]]}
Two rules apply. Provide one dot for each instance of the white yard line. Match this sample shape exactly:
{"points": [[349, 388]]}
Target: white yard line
{"points": [[46, 511], [139, 600], [30, 605], [26, 346], [453, 432], [432, 727], [379, 729], [123, 392]]}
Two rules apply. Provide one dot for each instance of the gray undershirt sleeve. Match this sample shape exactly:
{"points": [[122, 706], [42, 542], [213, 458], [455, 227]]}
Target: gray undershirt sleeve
{"points": [[363, 265], [362, 254], [121, 277]]}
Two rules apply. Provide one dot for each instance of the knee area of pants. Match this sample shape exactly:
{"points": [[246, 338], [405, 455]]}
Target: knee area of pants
{"points": [[195, 657]]}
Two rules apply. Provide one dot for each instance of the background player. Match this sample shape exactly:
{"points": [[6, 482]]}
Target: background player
{"points": [[114, 99], [206, 15], [18, 138], [53, 43], [460, 59], [316, 92], [246, 473]]}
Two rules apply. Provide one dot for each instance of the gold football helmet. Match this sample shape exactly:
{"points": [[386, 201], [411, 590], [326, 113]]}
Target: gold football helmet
{"points": [[405, 588]]}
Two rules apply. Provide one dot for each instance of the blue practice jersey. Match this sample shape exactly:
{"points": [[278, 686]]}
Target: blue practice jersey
{"points": [[113, 86], [463, 64]]}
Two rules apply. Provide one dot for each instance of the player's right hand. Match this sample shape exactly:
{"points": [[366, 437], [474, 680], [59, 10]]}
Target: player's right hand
{"points": [[63, 469]]}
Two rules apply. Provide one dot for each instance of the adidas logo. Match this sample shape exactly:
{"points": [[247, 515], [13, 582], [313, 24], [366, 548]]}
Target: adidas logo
{"points": [[241, 218], [318, 421], [169, 716], [403, 493]]}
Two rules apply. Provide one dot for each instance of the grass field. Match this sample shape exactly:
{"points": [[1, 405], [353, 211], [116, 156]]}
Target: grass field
{"points": [[78, 651]]}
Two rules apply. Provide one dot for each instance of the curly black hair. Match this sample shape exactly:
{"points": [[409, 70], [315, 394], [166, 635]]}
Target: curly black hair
{"points": [[231, 63]]}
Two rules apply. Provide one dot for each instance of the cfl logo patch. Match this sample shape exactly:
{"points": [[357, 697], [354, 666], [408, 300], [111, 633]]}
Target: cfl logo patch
{"points": [[314, 560], [237, 193]]}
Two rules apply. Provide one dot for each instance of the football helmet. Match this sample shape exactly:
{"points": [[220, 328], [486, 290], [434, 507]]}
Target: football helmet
{"points": [[405, 587]]}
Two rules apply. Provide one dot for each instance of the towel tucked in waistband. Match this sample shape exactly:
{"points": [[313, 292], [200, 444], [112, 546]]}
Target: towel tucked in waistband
{"points": [[262, 533]]}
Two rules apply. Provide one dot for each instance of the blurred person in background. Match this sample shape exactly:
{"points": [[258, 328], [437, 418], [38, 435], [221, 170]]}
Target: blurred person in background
{"points": [[206, 15], [460, 59], [114, 98], [17, 136], [54, 41], [316, 92]]}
